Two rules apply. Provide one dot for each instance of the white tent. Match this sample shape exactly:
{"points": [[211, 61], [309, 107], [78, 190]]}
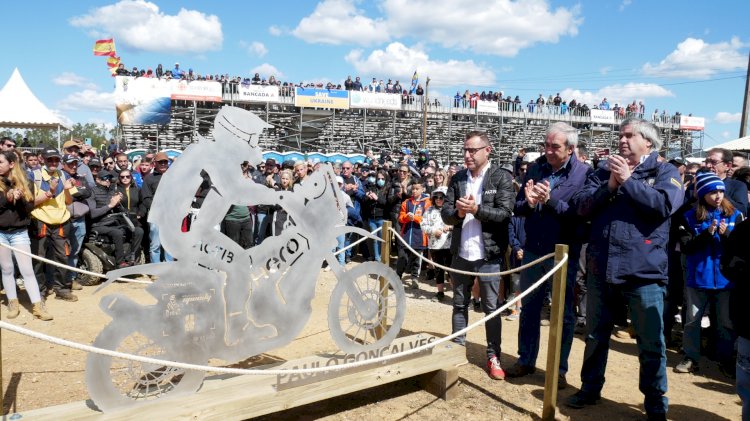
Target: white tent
{"points": [[20, 108], [741, 144]]}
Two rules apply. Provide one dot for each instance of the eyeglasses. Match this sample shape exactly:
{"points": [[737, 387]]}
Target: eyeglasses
{"points": [[713, 162], [109, 163], [473, 151], [9, 145], [163, 161], [125, 177]]}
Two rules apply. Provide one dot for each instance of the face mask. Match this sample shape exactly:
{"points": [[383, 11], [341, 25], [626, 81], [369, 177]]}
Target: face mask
{"points": [[381, 182], [370, 180]]}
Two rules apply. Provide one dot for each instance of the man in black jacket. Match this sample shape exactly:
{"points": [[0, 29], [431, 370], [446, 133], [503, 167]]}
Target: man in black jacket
{"points": [[78, 211], [479, 205], [150, 183]]}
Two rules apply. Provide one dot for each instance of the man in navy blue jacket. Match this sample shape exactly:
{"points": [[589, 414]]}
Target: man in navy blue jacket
{"points": [[629, 201], [548, 187]]}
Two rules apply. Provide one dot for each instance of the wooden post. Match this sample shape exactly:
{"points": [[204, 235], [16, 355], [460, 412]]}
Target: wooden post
{"points": [[559, 281], [385, 258]]}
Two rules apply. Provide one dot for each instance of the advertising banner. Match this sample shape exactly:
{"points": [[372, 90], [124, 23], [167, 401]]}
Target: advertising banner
{"points": [[692, 123], [603, 116], [375, 100], [197, 90], [321, 98], [489, 107], [258, 93], [142, 101]]}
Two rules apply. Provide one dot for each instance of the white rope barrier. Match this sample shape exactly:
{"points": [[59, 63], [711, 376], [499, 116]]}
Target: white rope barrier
{"points": [[70, 268], [357, 242], [463, 272], [276, 372]]}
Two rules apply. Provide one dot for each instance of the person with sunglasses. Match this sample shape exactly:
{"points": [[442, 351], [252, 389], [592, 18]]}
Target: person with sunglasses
{"points": [[150, 184], [50, 228], [130, 199], [7, 144]]}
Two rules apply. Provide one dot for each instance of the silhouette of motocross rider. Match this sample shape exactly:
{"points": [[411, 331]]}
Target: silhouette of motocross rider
{"points": [[235, 135]]}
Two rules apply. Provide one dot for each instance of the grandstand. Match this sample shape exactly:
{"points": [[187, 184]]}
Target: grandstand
{"points": [[352, 130]]}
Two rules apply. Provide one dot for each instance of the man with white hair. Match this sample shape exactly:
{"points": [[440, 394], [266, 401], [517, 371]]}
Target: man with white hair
{"points": [[629, 201]]}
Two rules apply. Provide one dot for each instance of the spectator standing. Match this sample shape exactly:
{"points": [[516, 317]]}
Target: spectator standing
{"points": [[410, 217], [478, 205], [177, 73], [354, 189], [517, 238], [707, 226], [375, 207], [719, 161], [280, 215], [78, 209], [629, 201], [73, 147], [545, 202], [264, 213], [438, 237], [150, 184], [50, 228], [734, 266], [16, 204]]}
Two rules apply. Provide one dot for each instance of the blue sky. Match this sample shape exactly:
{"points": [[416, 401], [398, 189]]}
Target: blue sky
{"points": [[680, 56]]}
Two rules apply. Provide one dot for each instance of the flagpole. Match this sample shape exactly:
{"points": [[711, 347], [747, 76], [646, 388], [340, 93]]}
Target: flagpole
{"points": [[424, 113]]}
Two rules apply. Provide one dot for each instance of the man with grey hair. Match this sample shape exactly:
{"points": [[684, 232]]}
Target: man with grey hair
{"points": [[544, 201], [629, 201]]}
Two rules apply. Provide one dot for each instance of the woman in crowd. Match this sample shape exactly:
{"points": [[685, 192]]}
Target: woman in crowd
{"points": [[300, 171], [706, 228], [280, 217], [375, 207], [130, 195], [441, 178], [16, 203], [439, 240]]}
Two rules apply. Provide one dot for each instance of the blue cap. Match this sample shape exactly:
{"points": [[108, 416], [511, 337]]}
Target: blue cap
{"points": [[406, 151], [708, 182]]}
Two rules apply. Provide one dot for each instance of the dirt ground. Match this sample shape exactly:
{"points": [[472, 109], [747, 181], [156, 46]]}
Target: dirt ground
{"points": [[38, 374]]}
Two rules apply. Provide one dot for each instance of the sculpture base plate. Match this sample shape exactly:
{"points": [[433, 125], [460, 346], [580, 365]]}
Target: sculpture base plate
{"points": [[226, 397]]}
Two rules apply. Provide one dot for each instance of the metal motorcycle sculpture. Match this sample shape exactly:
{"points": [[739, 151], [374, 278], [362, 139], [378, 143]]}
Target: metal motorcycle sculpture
{"points": [[222, 301]]}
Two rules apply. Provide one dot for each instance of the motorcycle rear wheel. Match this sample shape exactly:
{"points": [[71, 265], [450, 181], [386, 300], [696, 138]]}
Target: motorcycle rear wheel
{"points": [[115, 383]]}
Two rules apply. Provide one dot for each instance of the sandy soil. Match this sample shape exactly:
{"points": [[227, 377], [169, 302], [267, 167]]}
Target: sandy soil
{"points": [[38, 374]]}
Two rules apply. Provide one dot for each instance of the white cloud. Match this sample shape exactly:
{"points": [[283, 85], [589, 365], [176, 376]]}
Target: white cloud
{"points": [[617, 94], [72, 79], [267, 70], [276, 30], [66, 121], [399, 62], [258, 49], [90, 100], [140, 25], [500, 27], [723, 117], [726, 135], [339, 22], [605, 70], [624, 4], [695, 58]]}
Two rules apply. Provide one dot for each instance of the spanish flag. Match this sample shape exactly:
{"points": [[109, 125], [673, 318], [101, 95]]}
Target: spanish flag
{"points": [[105, 47], [113, 61]]}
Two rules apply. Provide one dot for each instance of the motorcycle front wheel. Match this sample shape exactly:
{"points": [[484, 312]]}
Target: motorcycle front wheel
{"points": [[115, 383], [378, 320]]}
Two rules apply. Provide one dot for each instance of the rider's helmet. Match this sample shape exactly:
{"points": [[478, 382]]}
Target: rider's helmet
{"points": [[238, 130]]}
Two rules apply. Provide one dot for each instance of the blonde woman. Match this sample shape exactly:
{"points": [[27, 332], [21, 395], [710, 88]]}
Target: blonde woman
{"points": [[16, 203], [280, 217], [441, 178]]}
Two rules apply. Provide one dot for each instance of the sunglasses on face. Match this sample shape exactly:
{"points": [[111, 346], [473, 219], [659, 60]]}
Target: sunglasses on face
{"points": [[125, 177], [163, 161], [109, 163]]}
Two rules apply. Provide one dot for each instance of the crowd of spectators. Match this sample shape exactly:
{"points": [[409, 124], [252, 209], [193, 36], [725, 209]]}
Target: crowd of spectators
{"points": [[555, 105]]}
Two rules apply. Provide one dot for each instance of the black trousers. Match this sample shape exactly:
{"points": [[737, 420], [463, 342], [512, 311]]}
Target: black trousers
{"points": [[51, 241], [241, 232]]}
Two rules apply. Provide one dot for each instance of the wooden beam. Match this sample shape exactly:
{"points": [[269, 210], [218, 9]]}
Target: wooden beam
{"points": [[243, 397]]}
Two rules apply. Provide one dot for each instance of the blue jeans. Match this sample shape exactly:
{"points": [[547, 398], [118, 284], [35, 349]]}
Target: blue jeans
{"points": [[374, 224], [489, 287], [154, 246], [529, 330], [743, 375], [341, 244], [77, 236], [646, 303], [696, 302]]}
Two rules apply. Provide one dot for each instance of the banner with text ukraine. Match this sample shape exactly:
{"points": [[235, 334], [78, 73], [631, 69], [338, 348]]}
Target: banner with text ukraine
{"points": [[321, 98]]}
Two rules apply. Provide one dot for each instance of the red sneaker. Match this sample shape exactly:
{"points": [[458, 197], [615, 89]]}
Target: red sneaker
{"points": [[494, 370]]}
